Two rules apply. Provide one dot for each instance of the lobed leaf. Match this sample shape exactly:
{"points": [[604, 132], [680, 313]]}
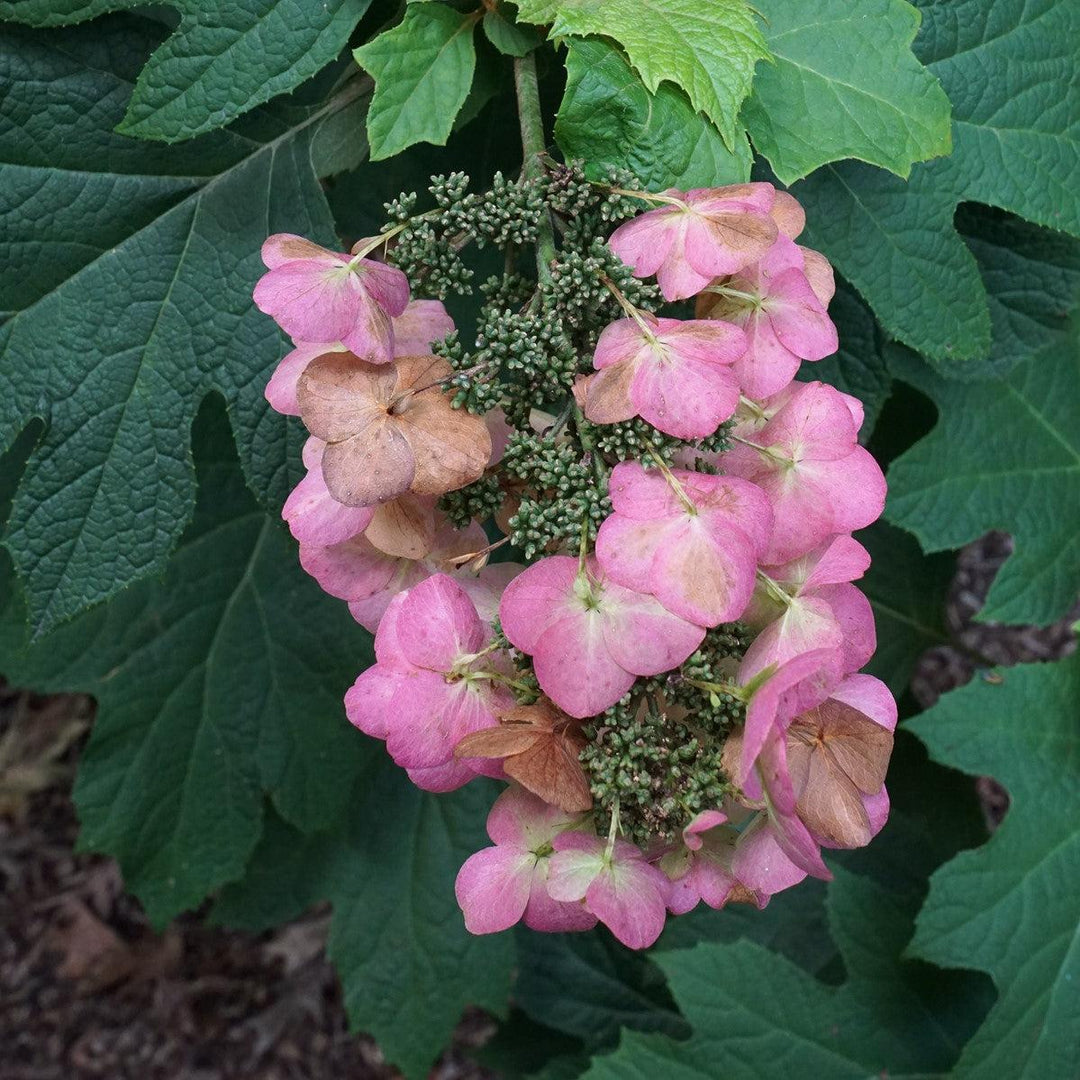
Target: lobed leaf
{"points": [[709, 50], [216, 684], [844, 84], [135, 302], [408, 966], [221, 61], [1005, 454], [1008, 69], [609, 119], [1010, 907], [423, 69]]}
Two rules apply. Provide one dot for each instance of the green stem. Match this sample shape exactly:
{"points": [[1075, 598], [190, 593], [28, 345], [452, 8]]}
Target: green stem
{"points": [[532, 145]]}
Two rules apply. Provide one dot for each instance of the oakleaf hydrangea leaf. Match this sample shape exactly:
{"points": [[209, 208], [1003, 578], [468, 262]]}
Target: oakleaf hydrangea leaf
{"points": [[423, 68], [1032, 280], [1005, 454], [610, 120], [1009, 70], [907, 590], [221, 61], [844, 84], [133, 302], [858, 367], [709, 50], [1011, 907], [753, 1014], [587, 985], [216, 684], [408, 966]]}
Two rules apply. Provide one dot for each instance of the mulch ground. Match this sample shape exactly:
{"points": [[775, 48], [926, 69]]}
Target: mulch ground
{"points": [[89, 992]]}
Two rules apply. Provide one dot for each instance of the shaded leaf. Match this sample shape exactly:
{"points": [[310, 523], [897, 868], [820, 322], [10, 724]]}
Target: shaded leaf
{"points": [[1005, 454], [217, 683], [221, 61], [1010, 907], [907, 591], [408, 966], [589, 986], [116, 338], [858, 367]]}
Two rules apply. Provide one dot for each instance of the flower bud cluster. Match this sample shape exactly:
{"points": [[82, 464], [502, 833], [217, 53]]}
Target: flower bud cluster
{"points": [[670, 687]]}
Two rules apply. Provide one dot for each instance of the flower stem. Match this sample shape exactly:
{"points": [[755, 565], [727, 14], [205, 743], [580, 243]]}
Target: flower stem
{"points": [[532, 146]]}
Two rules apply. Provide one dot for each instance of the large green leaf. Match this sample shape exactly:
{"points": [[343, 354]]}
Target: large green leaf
{"points": [[217, 683], [423, 68], [844, 84], [907, 592], [133, 301], [1011, 907], [610, 120], [1009, 70], [707, 49], [1032, 280], [588, 985], [858, 367], [222, 60], [1005, 454], [408, 966]]}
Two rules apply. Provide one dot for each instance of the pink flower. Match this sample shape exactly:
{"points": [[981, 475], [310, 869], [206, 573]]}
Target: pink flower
{"points": [[690, 539], [673, 373], [759, 863], [495, 887], [357, 571], [314, 516], [700, 867], [809, 604], [317, 295], [698, 236], [621, 889], [589, 637], [428, 689], [421, 324], [808, 461], [795, 686], [822, 773], [785, 320]]}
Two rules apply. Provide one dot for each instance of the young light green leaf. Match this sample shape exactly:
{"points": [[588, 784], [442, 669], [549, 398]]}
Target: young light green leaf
{"points": [[221, 61], [216, 684], [423, 68], [130, 301], [408, 966], [1009, 71], [1005, 454], [844, 84], [707, 49], [1011, 907], [610, 120]]}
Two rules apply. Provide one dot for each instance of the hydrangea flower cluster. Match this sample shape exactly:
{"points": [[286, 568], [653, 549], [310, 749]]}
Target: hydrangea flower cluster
{"points": [[670, 688]]}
